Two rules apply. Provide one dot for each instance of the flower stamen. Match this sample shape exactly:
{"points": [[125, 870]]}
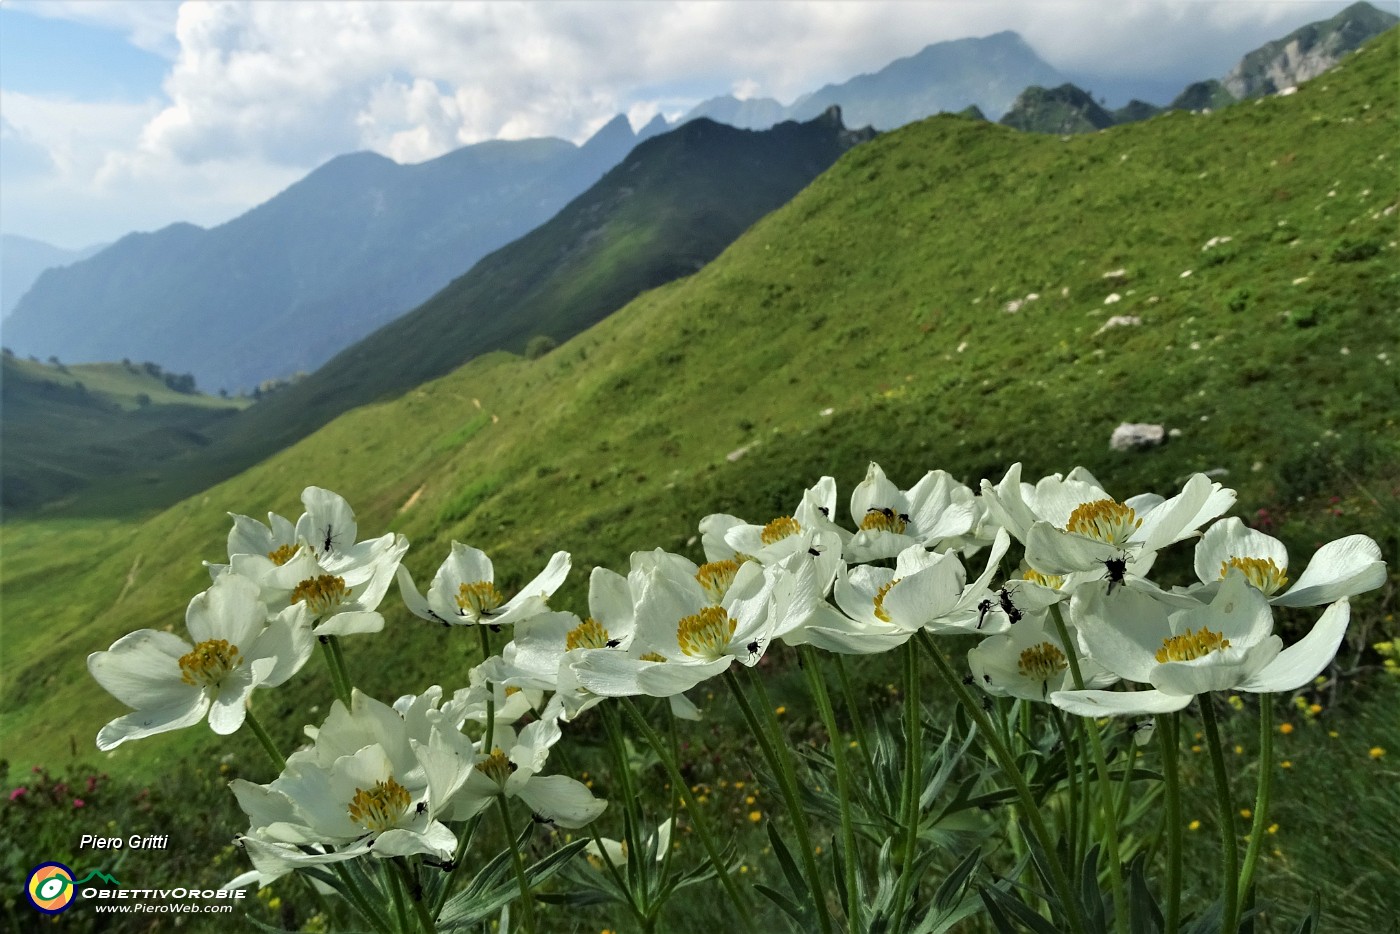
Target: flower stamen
{"points": [[706, 634], [209, 662], [884, 519], [478, 598], [1263, 573], [779, 529], [322, 594], [1053, 581], [716, 577], [496, 766], [281, 555], [380, 807], [1042, 662], [880, 612], [589, 634], [1191, 645], [1103, 520]]}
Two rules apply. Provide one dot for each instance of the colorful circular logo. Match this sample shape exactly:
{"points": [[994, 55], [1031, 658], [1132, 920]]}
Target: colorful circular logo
{"points": [[50, 887]]}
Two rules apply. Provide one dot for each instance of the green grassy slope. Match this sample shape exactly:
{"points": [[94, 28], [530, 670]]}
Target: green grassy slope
{"points": [[61, 427], [670, 207], [877, 294]]}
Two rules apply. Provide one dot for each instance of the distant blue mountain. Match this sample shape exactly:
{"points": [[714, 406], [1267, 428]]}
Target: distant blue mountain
{"points": [[985, 73], [21, 261], [287, 285]]}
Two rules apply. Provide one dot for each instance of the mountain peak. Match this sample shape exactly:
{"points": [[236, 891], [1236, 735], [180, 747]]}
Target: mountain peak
{"points": [[1306, 52], [616, 131]]}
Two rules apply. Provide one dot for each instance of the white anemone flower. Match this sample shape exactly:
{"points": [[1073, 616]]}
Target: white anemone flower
{"points": [[1228, 644], [1029, 661], [511, 769], [935, 511], [1081, 530], [339, 604], [683, 638], [881, 608], [728, 538], [1342, 568], [326, 530], [365, 786], [463, 591], [173, 684]]}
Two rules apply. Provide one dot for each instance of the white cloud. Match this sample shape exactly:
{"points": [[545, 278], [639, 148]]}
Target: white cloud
{"points": [[260, 93]]}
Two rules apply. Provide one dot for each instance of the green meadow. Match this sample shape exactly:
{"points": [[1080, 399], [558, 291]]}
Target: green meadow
{"points": [[943, 297]]}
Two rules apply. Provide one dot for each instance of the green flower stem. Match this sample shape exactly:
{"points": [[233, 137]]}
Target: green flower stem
{"points": [[1229, 851], [913, 775], [857, 717], [400, 897], [1106, 802], [1167, 734], [268, 745], [527, 904], [457, 856], [1071, 823], [490, 733], [697, 819], [411, 885], [1261, 795], [811, 666], [631, 816], [340, 681], [1007, 763], [357, 898], [776, 752]]}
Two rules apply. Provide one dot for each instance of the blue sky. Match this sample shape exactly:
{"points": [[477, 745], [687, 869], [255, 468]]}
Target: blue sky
{"points": [[119, 116]]}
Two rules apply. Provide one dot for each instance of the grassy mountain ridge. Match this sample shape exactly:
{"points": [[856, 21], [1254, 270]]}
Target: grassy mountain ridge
{"points": [[880, 293], [666, 210], [63, 426]]}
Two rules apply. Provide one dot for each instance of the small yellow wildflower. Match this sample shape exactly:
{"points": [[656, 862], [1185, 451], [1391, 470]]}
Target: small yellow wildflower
{"points": [[1194, 825], [1285, 728], [1273, 828], [1246, 813], [1377, 752], [1286, 764], [780, 710], [1239, 750], [1236, 702], [1314, 709], [755, 816]]}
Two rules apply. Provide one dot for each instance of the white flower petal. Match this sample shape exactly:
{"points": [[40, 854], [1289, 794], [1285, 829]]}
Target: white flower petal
{"points": [[1298, 664], [1118, 703], [561, 799], [1343, 568], [150, 721]]}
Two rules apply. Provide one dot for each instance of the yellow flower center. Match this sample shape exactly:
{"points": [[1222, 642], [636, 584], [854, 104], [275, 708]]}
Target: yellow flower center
{"points": [[478, 598], [779, 529], [652, 657], [1053, 581], [282, 555], [322, 594], [207, 664], [1042, 662], [1261, 572], [716, 577], [496, 766], [1103, 520], [380, 807], [884, 519], [588, 634], [880, 612], [706, 634], [1190, 645]]}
